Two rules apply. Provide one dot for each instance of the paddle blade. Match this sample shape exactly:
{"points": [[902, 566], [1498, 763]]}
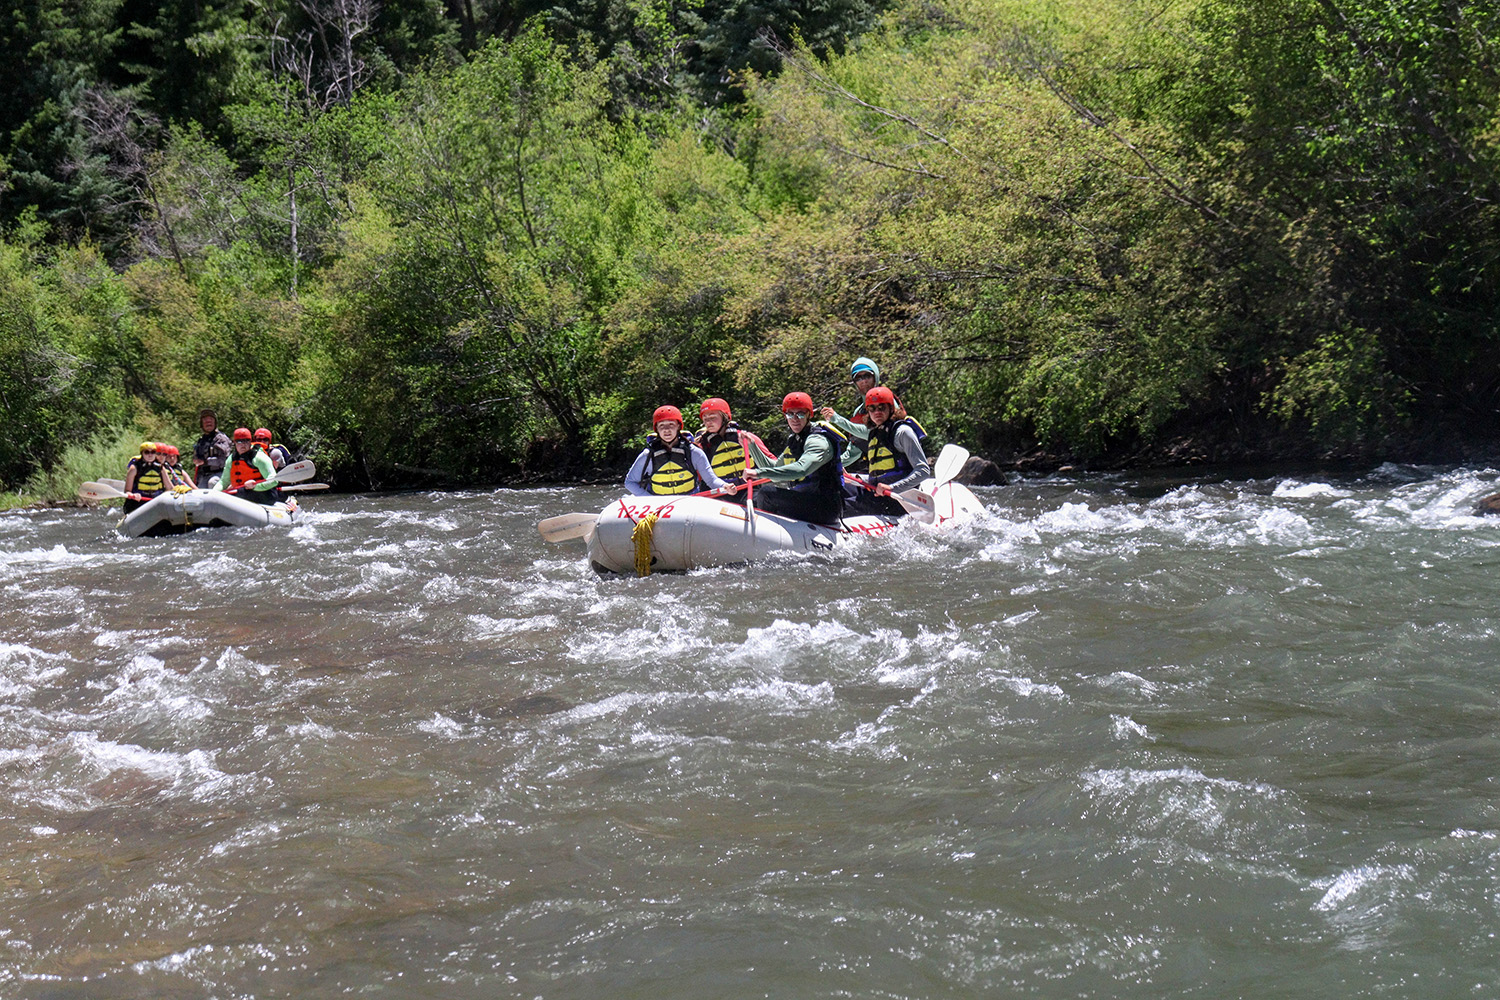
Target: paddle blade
{"points": [[950, 463], [296, 472], [98, 491], [918, 504], [566, 526]]}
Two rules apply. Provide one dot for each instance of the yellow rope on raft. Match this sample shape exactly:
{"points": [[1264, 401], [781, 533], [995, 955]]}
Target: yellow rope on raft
{"points": [[641, 536]]}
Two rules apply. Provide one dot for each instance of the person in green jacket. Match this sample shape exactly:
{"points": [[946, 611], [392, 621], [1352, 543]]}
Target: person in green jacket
{"points": [[807, 478], [245, 470]]}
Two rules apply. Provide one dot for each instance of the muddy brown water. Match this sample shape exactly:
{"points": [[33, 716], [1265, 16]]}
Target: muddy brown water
{"points": [[1120, 737]]}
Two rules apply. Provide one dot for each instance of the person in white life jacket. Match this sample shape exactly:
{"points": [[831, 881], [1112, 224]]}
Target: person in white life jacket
{"points": [[866, 375], [246, 469], [808, 476], [670, 464], [894, 457], [144, 477]]}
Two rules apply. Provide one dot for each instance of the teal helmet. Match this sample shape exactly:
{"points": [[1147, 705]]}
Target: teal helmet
{"points": [[864, 365]]}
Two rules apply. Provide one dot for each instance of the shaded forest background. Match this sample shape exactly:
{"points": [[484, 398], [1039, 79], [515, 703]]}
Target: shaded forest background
{"points": [[454, 241]]}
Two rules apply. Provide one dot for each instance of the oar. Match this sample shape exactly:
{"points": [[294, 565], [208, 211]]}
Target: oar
{"points": [[305, 487], [100, 491], [916, 503], [566, 526], [950, 463], [748, 484], [118, 484]]}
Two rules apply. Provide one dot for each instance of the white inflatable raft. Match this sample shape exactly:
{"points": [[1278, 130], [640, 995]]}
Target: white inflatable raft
{"points": [[174, 513], [695, 532]]}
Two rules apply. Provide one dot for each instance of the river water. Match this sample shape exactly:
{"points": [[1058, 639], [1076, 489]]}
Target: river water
{"points": [[1121, 737]]}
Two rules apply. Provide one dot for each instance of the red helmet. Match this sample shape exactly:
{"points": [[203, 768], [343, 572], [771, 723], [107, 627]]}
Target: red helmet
{"points": [[666, 413], [242, 434], [261, 434], [170, 449], [797, 401], [880, 394], [714, 405]]}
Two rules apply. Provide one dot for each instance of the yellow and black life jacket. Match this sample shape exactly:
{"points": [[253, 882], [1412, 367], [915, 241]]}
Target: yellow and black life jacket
{"points": [[672, 469], [725, 451], [148, 477], [886, 462]]}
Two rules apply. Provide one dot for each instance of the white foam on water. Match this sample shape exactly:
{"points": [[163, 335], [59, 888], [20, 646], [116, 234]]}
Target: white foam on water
{"points": [[1340, 890], [382, 572], [869, 737], [1025, 687], [669, 640], [771, 694], [312, 731], [1173, 797], [1283, 527], [219, 568], [1126, 679], [24, 668], [174, 962], [1300, 490], [1127, 729], [145, 684], [253, 836], [191, 773], [441, 725], [443, 587], [479, 627]]}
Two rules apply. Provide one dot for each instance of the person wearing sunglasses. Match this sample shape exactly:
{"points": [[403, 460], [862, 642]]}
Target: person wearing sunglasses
{"points": [[808, 476], [246, 469], [865, 375], [144, 477]]}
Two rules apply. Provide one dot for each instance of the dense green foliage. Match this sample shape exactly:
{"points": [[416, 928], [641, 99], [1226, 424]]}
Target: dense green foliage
{"points": [[429, 241]]}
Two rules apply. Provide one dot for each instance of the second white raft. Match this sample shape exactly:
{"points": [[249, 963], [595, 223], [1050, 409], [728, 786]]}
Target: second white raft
{"points": [[174, 513]]}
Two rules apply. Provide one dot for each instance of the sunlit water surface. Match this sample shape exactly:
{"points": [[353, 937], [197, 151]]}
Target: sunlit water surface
{"points": [[1121, 737]]}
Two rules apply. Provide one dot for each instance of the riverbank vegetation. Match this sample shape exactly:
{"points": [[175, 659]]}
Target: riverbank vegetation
{"points": [[447, 243]]}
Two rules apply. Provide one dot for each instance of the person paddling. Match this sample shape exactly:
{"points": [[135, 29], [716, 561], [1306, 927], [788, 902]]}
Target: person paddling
{"points": [[809, 474], [727, 447], [248, 466], [210, 452], [671, 463], [144, 477], [894, 456]]}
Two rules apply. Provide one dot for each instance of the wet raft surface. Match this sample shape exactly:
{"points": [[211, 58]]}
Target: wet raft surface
{"points": [[1120, 737]]}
